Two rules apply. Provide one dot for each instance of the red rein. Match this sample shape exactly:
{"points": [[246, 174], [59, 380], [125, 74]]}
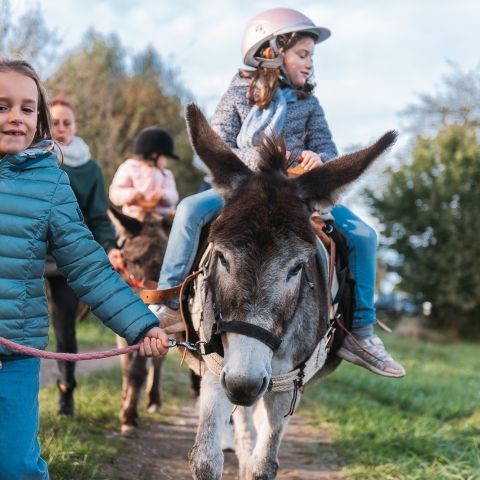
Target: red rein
{"points": [[130, 279]]}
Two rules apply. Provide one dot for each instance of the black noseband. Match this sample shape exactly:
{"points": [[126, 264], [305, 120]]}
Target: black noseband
{"points": [[268, 338], [214, 345], [243, 328]]}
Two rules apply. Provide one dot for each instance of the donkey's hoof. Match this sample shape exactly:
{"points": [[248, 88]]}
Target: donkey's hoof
{"points": [[128, 430], [153, 408]]}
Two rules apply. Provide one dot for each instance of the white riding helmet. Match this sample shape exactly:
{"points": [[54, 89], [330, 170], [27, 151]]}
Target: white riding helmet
{"points": [[265, 27]]}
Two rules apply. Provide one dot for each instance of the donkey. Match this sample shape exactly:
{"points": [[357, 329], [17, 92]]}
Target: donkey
{"points": [[263, 300], [143, 249]]}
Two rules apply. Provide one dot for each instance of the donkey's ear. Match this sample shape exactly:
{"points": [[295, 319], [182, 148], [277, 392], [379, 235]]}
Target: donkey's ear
{"points": [[124, 225], [227, 169], [320, 187]]}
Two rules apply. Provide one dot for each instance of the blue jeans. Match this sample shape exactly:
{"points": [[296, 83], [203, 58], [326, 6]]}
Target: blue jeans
{"points": [[197, 210], [19, 447], [362, 259], [192, 214]]}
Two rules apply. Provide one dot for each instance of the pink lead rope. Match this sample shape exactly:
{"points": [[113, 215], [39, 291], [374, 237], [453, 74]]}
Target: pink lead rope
{"points": [[72, 357]]}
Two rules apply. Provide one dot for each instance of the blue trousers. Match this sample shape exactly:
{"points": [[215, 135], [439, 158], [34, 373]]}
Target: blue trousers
{"points": [[197, 210], [19, 448]]}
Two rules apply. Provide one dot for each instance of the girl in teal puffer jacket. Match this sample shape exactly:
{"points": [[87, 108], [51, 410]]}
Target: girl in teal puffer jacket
{"points": [[38, 206]]}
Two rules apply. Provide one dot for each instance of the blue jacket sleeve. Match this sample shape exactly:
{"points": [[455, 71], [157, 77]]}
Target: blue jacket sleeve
{"points": [[86, 267]]}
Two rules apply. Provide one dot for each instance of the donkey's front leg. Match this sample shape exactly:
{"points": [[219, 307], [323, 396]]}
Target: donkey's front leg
{"points": [[270, 423], [206, 456], [245, 438]]}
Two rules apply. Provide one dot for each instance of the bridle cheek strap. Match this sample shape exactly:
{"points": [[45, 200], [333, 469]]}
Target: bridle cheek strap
{"points": [[254, 331]]}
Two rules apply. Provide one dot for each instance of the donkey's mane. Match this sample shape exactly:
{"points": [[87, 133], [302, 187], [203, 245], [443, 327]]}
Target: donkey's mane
{"points": [[265, 206], [272, 151]]}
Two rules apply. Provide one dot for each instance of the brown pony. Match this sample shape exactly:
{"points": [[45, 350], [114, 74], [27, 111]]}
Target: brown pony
{"points": [[143, 248]]}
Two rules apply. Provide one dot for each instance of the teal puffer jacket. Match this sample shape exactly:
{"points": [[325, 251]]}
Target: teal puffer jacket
{"points": [[38, 206]]}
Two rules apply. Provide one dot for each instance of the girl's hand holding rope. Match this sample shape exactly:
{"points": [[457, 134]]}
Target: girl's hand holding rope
{"points": [[154, 344]]}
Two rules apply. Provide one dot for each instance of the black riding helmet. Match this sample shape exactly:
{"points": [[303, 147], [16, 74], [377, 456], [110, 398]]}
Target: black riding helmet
{"points": [[153, 140]]}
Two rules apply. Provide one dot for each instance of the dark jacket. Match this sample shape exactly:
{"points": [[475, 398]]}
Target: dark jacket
{"points": [[87, 185]]}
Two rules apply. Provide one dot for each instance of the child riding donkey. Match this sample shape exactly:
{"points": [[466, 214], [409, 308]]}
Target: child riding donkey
{"points": [[146, 190], [276, 97]]}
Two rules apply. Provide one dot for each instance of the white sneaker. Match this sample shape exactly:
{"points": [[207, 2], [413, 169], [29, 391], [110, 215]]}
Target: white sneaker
{"points": [[170, 319], [371, 354]]}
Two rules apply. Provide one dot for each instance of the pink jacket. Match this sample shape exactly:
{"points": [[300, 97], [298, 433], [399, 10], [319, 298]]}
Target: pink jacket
{"points": [[135, 176]]}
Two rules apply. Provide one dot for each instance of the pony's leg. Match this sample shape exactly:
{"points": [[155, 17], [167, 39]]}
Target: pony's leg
{"points": [[206, 456], [137, 372], [245, 437], [124, 364], [195, 384], [270, 423], [154, 380]]}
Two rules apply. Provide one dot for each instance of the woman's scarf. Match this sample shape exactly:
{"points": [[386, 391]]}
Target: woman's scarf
{"points": [[268, 121], [75, 154]]}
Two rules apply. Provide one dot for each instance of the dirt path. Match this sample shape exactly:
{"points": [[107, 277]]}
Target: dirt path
{"points": [[159, 449], [160, 452]]}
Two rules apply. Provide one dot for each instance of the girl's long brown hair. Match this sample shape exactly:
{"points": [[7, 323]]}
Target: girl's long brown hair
{"points": [[22, 67], [266, 80]]}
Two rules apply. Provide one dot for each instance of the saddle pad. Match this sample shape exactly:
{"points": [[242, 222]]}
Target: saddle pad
{"points": [[323, 261]]}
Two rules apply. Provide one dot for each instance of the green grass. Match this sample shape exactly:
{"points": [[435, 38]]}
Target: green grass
{"points": [[424, 426], [91, 333], [75, 449]]}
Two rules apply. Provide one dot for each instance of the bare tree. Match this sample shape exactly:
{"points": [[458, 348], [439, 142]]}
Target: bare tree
{"points": [[28, 37]]}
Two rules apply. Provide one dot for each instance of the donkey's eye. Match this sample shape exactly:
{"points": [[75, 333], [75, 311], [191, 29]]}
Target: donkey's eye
{"points": [[223, 261], [295, 271]]}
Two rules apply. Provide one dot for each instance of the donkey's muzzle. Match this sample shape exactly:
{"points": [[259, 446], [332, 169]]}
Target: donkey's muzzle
{"points": [[244, 391]]}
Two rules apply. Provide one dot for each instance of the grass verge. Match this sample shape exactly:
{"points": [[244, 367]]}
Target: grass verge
{"points": [[424, 426]]}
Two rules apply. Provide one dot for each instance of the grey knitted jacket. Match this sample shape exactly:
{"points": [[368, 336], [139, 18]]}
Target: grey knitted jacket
{"points": [[305, 124]]}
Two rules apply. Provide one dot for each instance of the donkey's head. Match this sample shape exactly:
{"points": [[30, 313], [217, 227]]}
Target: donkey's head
{"points": [[263, 268], [144, 244]]}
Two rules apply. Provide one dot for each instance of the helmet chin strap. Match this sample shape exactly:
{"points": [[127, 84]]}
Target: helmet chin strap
{"points": [[277, 62]]}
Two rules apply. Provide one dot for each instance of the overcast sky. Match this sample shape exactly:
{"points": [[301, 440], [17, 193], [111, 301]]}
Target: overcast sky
{"points": [[381, 55]]}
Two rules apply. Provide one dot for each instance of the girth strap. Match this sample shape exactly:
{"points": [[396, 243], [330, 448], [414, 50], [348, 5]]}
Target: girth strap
{"points": [[254, 331]]}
